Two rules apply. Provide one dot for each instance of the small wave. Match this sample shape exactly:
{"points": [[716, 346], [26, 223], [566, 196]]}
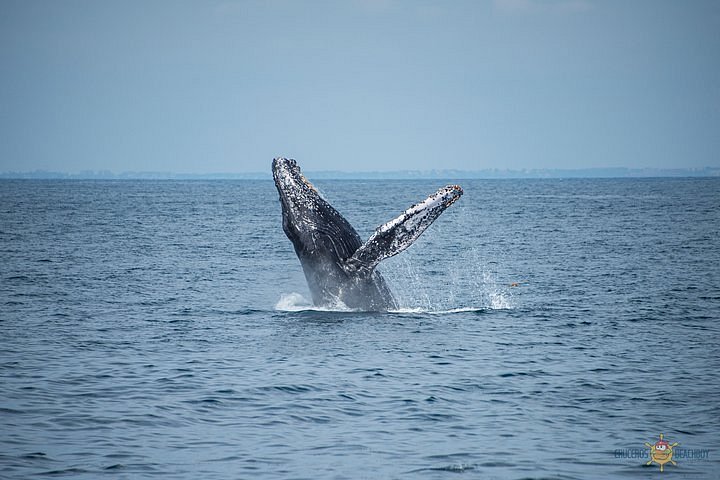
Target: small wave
{"points": [[455, 468], [65, 472]]}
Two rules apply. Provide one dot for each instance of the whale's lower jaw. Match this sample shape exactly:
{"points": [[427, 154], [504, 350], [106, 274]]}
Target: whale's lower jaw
{"points": [[367, 298], [333, 287]]}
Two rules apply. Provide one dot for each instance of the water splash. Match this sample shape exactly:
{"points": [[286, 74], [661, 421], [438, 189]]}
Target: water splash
{"points": [[292, 302], [295, 302], [464, 282], [439, 312], [499, 301]]}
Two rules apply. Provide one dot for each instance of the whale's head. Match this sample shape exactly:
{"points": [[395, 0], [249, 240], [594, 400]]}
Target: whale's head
{"points": [[295, 190], [309, 221]]}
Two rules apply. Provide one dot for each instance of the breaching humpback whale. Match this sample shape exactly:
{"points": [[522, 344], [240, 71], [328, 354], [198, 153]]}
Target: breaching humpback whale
{"points": [[338, 266]]}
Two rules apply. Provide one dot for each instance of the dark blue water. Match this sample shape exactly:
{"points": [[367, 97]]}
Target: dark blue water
{"points": [[549, 328]]}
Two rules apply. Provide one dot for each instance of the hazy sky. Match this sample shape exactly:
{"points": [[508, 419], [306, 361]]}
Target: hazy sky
{"points": [[224, 86]]}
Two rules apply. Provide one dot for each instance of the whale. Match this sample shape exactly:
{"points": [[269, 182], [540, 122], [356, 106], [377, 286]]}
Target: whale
{"points": [[340, 269]]}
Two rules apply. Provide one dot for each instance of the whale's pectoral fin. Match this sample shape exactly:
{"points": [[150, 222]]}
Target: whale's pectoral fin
{"points": [[398, 234]]}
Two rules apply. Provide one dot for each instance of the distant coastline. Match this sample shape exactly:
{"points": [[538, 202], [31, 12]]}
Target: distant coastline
{"points": [[618, 172]]}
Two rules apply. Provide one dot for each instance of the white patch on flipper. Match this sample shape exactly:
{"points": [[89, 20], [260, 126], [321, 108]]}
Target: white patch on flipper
{"points": [[443, 197]]}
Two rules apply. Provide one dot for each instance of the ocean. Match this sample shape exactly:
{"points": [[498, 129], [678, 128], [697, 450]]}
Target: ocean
{"points": [[547, 329]]}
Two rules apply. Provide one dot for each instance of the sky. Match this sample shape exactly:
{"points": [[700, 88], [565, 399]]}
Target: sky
{"points": [[358, 85]]}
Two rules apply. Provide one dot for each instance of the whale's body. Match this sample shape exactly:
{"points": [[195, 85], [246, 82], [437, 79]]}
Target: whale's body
{"points": [[338, 266]]}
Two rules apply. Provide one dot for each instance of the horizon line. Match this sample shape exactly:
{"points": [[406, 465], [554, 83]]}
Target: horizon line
{"points": [[486, 173]]}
